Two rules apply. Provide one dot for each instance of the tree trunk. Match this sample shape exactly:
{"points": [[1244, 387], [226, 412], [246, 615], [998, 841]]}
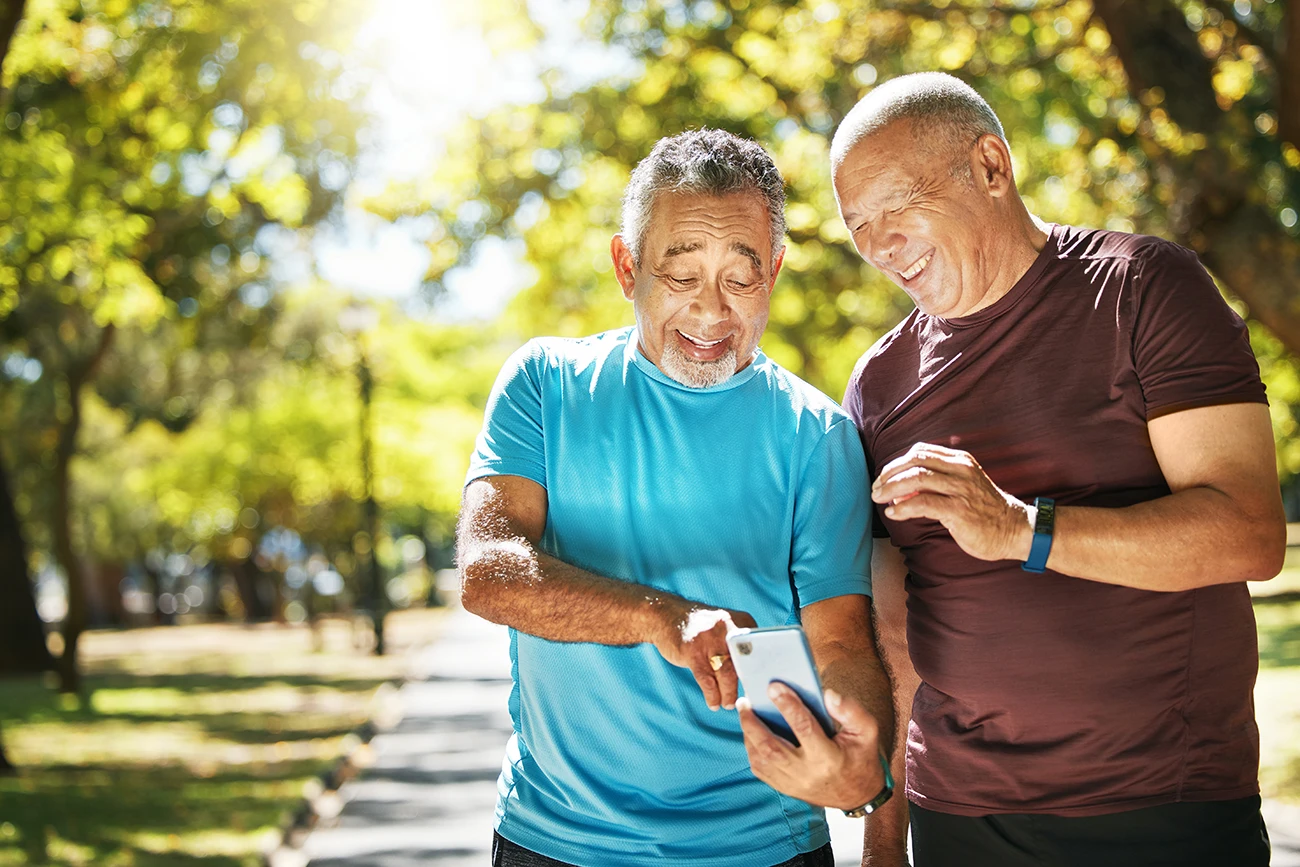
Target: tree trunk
{"points": [[22, 637], [66, 447], [252, 591], [11, 15], [1217, 215], [1288, 73], [6, 768]]}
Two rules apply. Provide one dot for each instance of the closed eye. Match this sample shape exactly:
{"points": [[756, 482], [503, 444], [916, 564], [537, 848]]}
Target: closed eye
{"points": [[679, 282]]}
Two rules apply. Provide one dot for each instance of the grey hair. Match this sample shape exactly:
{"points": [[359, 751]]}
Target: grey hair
{"points": [[947, 114], [710, 162]]}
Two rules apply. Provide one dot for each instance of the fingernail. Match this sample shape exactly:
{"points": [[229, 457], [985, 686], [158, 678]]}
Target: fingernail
{"points": [[832, 698], [889, 511]]}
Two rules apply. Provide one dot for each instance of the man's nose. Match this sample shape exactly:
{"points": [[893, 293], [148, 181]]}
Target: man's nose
{"points": [[711, 303], [884, 242]]}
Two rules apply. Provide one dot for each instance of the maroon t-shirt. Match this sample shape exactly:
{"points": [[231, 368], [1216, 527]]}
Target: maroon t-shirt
{"points": [[1041, 692]]}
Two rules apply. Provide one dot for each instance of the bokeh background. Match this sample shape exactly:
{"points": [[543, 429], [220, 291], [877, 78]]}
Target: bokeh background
{"points": [[260, 261]]}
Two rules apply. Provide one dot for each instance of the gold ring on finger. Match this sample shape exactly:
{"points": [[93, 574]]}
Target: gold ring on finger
{"points": [[716, 661]]}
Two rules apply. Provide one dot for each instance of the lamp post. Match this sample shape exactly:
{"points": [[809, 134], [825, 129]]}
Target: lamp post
{"points": [[358, 319]]}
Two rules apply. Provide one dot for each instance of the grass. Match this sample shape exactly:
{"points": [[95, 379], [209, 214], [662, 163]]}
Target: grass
{"points": [[1277, 692], [193, 743]]}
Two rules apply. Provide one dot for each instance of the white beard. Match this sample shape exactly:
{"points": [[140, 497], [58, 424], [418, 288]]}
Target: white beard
{"points": [[680, 367]]}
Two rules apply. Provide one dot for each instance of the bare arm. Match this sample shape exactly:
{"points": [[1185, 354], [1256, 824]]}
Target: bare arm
{"points": [[885, 841], [1222, 522], [507, 578], [842, 772], [843, 644]]}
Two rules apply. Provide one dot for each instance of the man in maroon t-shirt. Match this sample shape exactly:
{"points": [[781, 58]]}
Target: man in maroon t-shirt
{"points": [[1074, 463]]}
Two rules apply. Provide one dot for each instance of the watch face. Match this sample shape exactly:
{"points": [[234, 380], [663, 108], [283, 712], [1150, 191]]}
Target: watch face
{"points": [[1045, 521]]}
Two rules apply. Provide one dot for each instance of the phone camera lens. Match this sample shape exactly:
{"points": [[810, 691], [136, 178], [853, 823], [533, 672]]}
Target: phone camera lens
{"points": [[744, 648]]}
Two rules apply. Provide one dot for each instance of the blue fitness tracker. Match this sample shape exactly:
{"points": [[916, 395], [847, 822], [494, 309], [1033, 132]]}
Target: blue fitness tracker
{"points": [[1044, 525]]}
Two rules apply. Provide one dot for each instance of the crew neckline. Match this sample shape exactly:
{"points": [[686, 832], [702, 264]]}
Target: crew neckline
{"points": [[1017, 290], [633, 352]]}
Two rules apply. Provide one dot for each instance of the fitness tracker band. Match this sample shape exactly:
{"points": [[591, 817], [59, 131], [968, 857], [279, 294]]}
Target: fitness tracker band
{"points": [[1044, 526]]}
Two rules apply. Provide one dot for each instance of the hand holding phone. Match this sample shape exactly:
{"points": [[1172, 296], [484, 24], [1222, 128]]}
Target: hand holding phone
{"points": [[846, 768], [778, 654]]}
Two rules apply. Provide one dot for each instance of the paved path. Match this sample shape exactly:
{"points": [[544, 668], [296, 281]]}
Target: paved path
{"points": [[429, 795]]}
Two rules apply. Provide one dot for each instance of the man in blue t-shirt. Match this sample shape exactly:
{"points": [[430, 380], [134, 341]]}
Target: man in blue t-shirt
{"points": [[632, 497]]}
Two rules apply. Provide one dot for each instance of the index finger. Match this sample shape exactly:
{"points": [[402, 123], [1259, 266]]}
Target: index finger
{"points": [[762, 744], [800, 719], [932, 457]]}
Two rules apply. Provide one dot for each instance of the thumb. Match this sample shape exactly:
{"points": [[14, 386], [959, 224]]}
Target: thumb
{"points": [[854, 719]]}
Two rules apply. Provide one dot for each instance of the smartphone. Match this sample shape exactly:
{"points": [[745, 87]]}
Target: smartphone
{"points": [[778, 654]]}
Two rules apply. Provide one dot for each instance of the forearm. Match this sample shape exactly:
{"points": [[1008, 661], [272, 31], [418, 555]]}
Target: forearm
{"points": [[885, 831], [1189, 539], [510, 581], [853, 670]]}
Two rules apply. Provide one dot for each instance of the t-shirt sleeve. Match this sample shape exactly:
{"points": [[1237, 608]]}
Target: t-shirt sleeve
{"points": [[1190, 348], [511, 442], [852, 404], [831, 552]]}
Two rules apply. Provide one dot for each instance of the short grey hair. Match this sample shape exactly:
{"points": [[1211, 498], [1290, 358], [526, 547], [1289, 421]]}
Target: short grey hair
{"points": [[949, 116], [707, 162]]}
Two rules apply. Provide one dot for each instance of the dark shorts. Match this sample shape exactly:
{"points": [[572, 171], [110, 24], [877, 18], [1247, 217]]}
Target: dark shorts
{"points": [[507, 854], [1210, 834]]}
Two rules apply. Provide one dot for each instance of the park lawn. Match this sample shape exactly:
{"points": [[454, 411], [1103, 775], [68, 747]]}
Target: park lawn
{"points": [[196, 743], [1277, 693]]}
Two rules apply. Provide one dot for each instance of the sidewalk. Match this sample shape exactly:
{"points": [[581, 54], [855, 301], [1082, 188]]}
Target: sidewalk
{"points": [[429, 795]]}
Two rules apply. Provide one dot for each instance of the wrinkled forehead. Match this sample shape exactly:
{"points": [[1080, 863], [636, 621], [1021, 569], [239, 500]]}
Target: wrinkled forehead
{"points": [[683, 223], [883, 167]]}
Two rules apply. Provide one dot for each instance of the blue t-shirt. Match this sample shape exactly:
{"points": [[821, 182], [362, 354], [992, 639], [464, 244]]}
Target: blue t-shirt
{"points": [[750, 495]]}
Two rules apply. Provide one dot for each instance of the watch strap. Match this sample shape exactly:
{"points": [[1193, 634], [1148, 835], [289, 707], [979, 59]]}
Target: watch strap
{"points": [[1044, 529]]}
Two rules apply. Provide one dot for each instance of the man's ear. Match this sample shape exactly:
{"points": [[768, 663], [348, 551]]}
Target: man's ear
{"points": [[991, 161], [624, 265], [776, 269]]}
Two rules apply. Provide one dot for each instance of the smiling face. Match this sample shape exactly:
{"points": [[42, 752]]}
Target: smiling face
{"points": [[702, 288], [939, 237]]}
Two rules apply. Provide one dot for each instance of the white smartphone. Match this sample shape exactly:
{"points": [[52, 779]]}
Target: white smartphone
{"points": [[778, 654]]}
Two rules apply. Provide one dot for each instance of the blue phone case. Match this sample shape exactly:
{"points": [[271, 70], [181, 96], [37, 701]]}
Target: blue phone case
{"points": [[781, 654]]}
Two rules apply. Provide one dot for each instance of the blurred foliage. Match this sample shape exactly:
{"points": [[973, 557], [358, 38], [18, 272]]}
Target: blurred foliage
{"points": [[155, 159], [286, 453], [151, 152], [1087, 151]]}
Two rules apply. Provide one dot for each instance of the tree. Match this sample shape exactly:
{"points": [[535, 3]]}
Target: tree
{"points": [[146, 149], [1233, 81], [23, 650], [1170, 118]]}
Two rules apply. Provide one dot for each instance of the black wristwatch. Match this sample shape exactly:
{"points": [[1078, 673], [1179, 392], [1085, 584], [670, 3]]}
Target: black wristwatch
{"points": [[879, 800]]}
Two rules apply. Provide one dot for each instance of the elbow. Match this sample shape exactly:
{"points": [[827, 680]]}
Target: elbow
{"points": [[487, 578], [1268, 553], [1259, 552], [475, 595]]}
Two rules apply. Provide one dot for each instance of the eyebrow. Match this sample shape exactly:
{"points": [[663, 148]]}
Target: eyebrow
{"points": [[679, 249], [749, 253], [692, 246]]}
